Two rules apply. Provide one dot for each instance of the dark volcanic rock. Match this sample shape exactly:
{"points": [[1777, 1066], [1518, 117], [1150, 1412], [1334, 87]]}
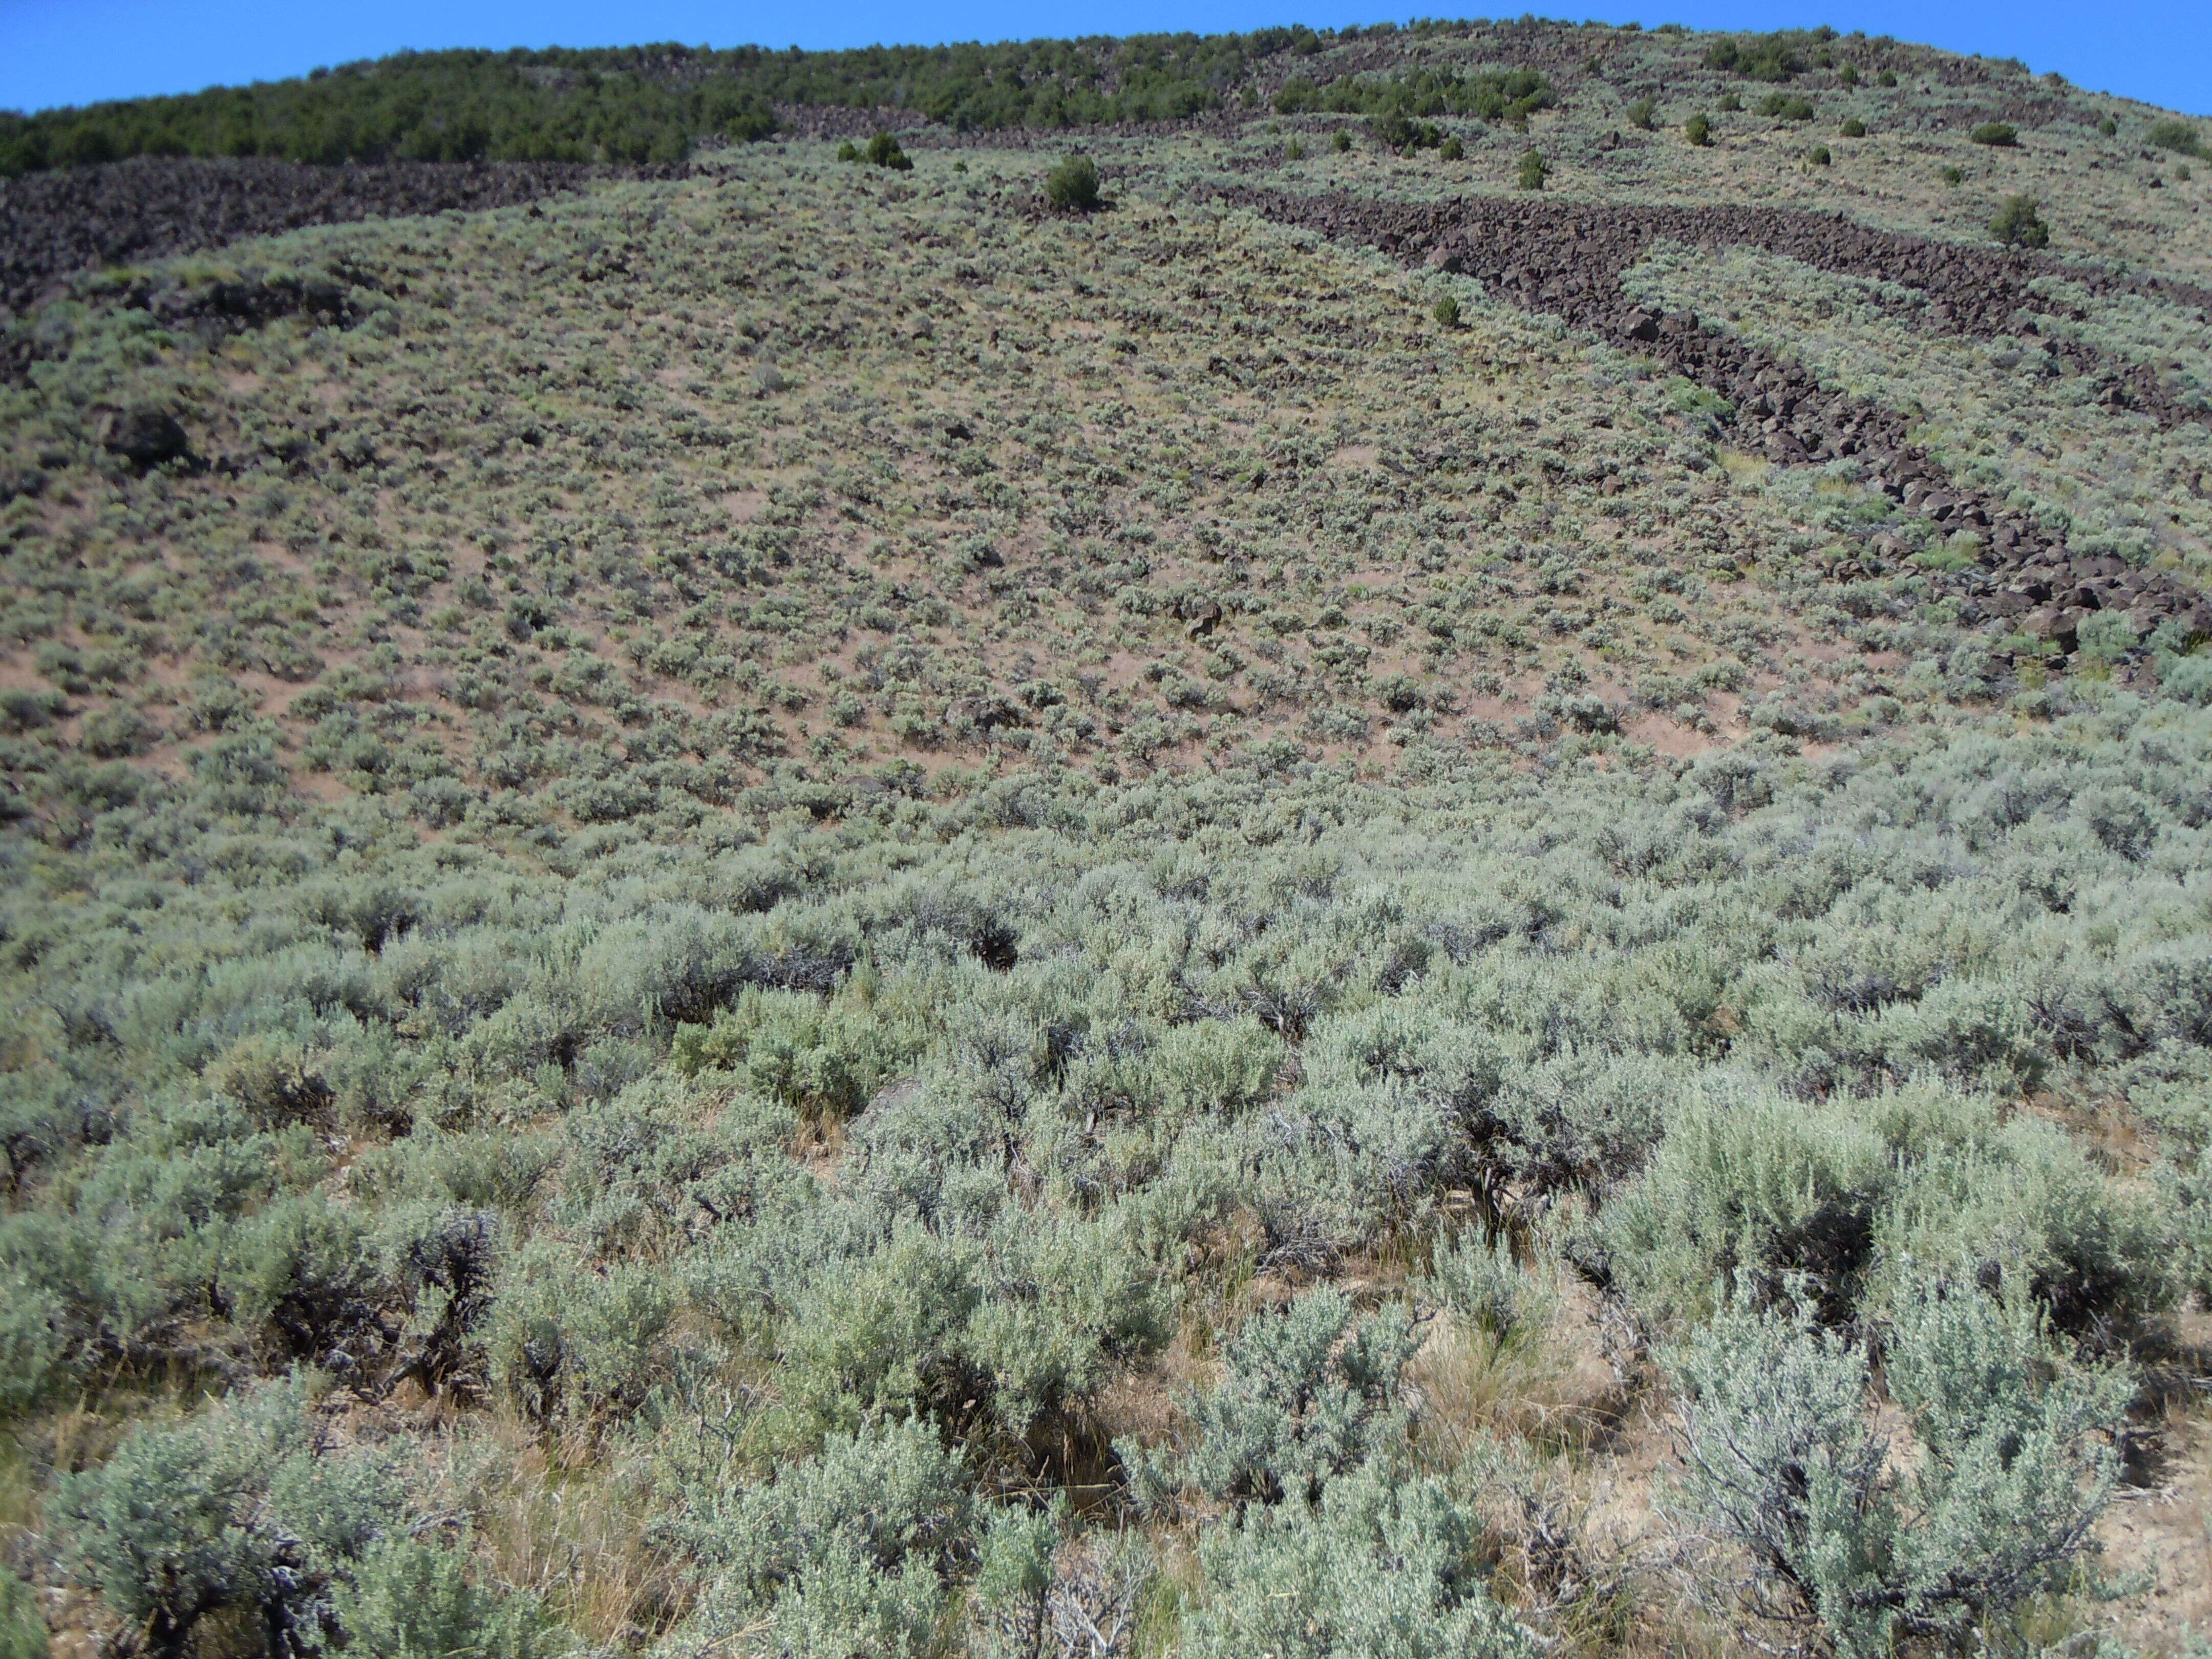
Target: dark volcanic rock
{"points": [[1568, 258], [64, 221], [145, 437]]}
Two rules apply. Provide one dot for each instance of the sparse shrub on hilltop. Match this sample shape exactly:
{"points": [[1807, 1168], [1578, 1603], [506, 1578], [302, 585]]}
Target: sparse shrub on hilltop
{"points": [[1510, 96], [1780, 56], [2181, 138]]}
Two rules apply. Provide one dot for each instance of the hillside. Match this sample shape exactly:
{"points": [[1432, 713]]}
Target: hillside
{"points": [[1442, 885]]}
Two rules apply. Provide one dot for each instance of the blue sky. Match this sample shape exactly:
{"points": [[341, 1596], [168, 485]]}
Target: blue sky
{"points": [[69, 52]]}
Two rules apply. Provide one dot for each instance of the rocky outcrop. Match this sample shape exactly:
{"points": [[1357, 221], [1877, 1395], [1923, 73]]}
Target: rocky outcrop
{"points": [[1571, 257], [143, 437], [64, 221], [1568, 260]]}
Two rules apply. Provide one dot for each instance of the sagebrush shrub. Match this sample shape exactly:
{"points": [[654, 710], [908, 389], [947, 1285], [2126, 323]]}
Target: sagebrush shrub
{"points": [[1581, 1118], [237, 1508], [408, 1599], [1310, 1391], [566, 1340], [1010, 1329], [689, 1045], [1754, 1187], [1482, 1285], [847, 1552], [821, 1059], [301, 1276], [2020, 1206], [23, 1633], [2011, 1465], [1015, 1570], [1384, 1566]]}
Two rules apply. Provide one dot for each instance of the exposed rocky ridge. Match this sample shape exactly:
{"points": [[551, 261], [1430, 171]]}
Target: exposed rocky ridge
{"points": [[1567, 260], [64, 221], [1977, 291]]}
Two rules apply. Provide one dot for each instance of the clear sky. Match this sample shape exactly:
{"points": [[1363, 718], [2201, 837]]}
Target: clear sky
{"points": [[71, 52]]}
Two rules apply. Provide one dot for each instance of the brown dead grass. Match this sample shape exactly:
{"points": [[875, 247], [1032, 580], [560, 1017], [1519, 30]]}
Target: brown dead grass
{"points": [[577, 1530], [1552, 1387]]}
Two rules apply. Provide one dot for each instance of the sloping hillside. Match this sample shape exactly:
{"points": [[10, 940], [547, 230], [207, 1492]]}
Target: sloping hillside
{"points": [[1440, 885]]}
